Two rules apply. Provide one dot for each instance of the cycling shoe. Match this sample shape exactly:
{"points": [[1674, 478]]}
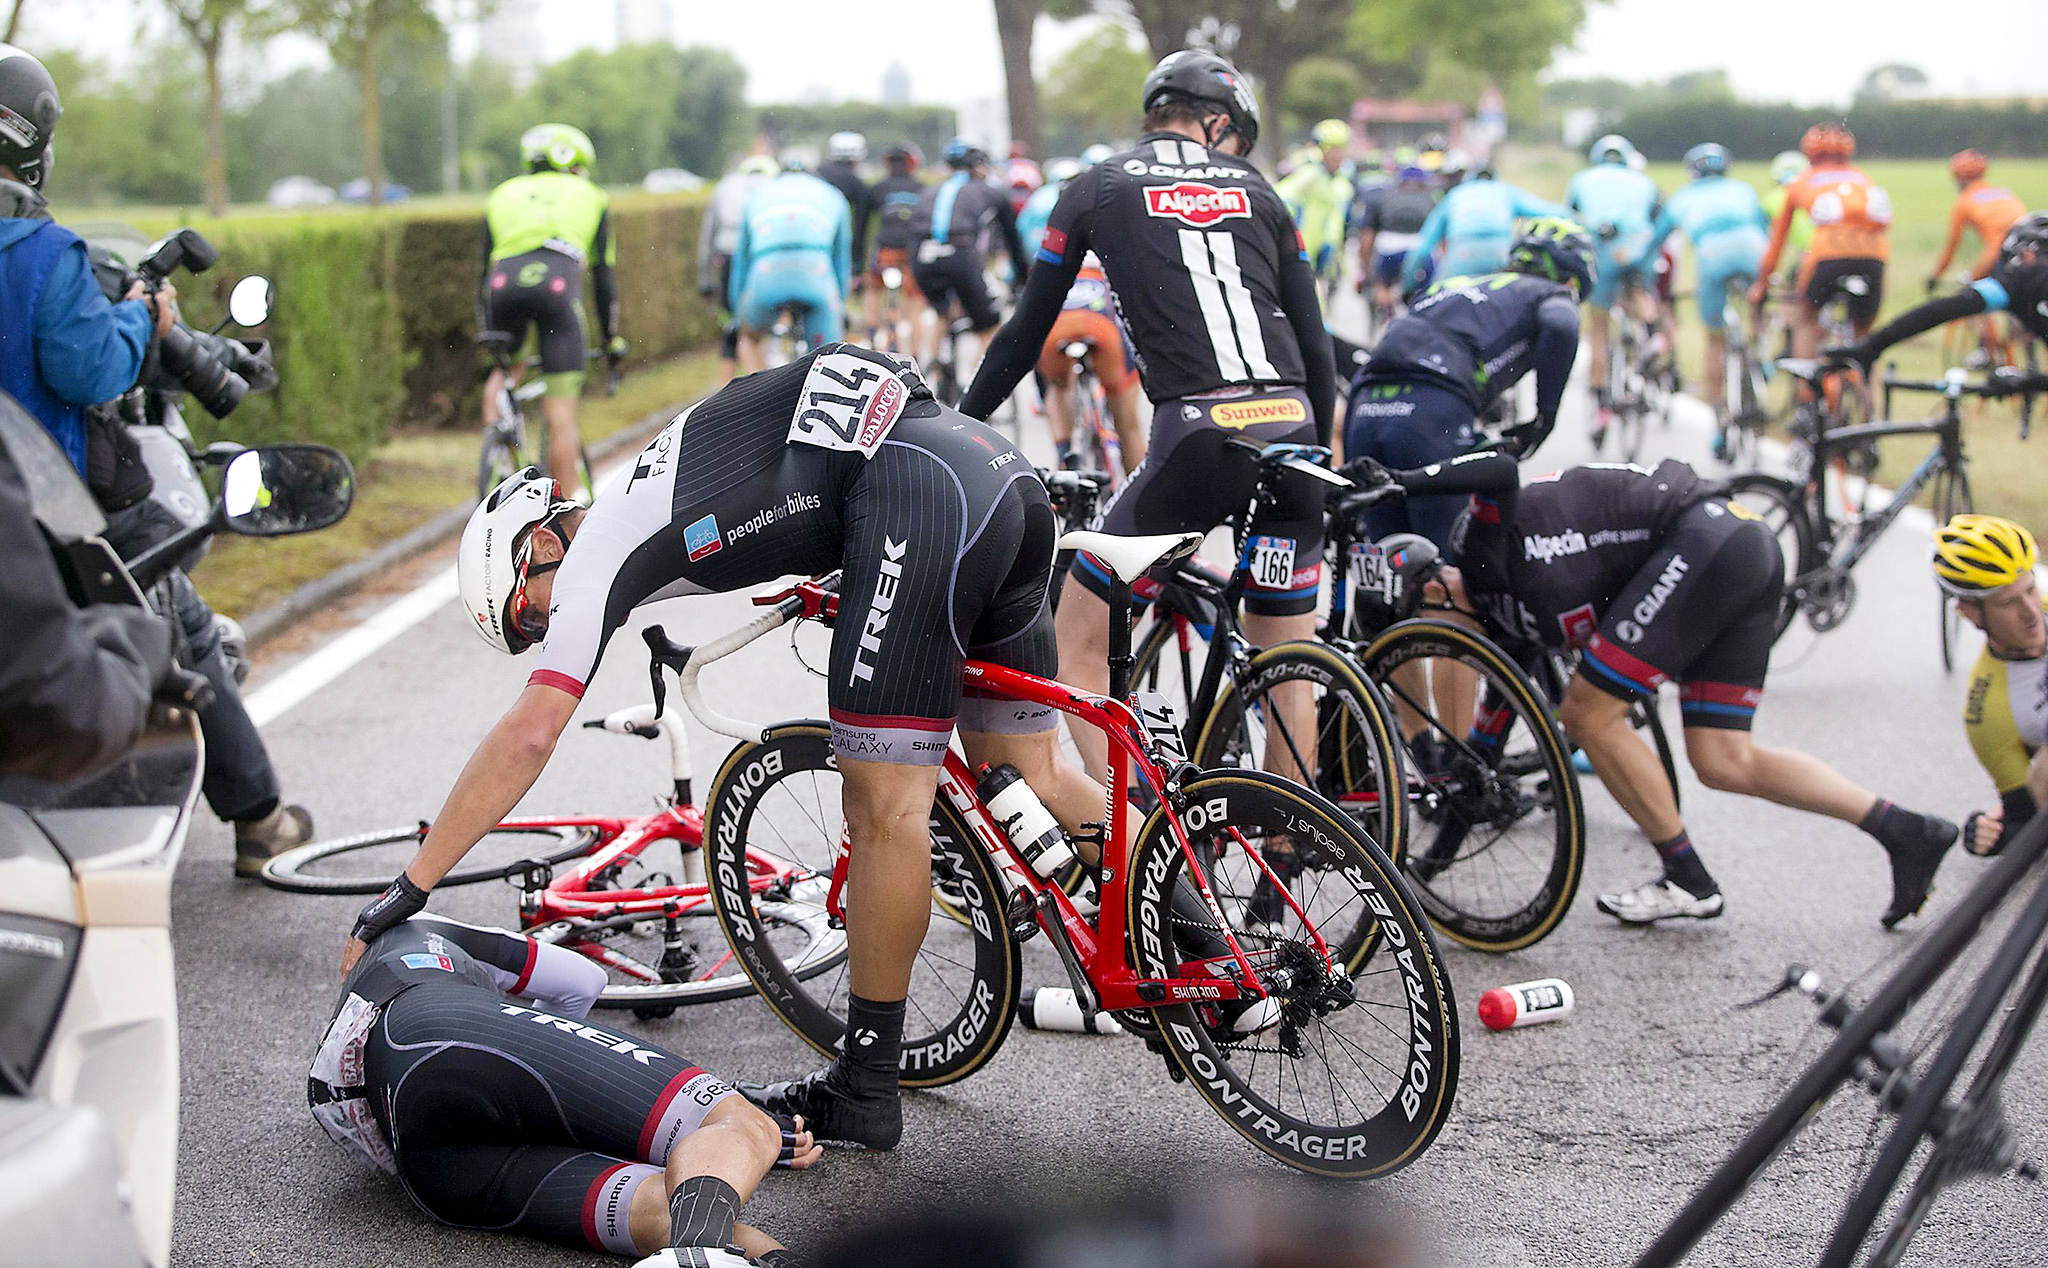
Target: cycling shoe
{"points": [[832, 1108], [1914, 863]]}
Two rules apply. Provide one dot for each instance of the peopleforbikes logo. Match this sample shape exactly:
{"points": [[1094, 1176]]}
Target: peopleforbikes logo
{"points": [[1549, 546], [1197, 204], [794, 504]]}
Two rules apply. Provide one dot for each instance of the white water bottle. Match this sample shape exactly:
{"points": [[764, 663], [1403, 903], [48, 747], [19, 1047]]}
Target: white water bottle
{"points": [[1056, 1008], [1031, 827]]}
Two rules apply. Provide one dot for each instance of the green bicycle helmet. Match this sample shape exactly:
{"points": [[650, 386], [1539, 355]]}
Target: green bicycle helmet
{"points": [[1556, 248], [556, 147]]}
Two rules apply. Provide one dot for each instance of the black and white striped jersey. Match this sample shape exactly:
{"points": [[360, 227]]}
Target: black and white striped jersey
{"points": [[1194, 242]]}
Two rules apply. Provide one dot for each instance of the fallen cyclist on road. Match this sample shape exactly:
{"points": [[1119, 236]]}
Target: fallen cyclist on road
{"points": [[1656, 577], [457, 1060], [841, 459]]}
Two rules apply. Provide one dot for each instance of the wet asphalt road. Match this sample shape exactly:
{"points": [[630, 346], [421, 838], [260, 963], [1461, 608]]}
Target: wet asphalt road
{"points": [[1569, 1144]]}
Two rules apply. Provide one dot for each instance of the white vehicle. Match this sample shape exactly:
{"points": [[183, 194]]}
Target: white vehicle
{"points": [[299, 191], [671, 180]]}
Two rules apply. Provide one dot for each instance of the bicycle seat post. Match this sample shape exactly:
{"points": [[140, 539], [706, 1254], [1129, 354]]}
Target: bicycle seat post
{"points": [[1121, 660]]}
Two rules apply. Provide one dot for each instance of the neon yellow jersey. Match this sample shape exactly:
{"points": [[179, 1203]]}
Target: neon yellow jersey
{"points": [[557, 210], [1801, 235], [2006, 716], [1319, 199]]}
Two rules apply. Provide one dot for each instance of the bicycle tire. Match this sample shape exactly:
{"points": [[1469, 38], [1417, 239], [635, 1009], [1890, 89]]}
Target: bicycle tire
{"points": [[1410, 975], [1951, 498], [494, 463], [1356, 752], [1443, 872], [287, 871], [971, 1022], [1781, 505]]}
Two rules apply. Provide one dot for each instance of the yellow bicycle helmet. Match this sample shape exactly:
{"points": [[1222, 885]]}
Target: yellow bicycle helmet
{"points": [[1332, 134], [1977, 554]]}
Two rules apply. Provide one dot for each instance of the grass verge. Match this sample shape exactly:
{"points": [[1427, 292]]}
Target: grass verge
{"points": [[413, 477]]}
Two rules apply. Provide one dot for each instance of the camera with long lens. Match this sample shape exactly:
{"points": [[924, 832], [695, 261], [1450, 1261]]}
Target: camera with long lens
{"points": [[201, 364]]}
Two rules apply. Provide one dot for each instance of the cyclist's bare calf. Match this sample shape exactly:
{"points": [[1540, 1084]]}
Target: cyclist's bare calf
{"points": [[737, 1144]]}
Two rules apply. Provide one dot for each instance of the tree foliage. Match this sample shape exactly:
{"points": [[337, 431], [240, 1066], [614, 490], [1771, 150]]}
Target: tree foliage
{"points": [[1091, 93], [1501, 39], [1319, 88]]}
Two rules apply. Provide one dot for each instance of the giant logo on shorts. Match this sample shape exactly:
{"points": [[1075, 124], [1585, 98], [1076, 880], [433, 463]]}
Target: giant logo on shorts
{"points": [[1197, 204], [1238, 415]]}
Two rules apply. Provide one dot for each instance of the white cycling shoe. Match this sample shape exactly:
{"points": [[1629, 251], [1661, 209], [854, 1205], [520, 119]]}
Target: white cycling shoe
{"points": [[1661, 899], [697, 1257]]}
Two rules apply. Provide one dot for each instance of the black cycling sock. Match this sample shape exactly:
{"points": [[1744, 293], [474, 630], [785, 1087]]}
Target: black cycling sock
{"points": [[874, 1045], [702, 1212], [1893, 826], [1682, 866]]}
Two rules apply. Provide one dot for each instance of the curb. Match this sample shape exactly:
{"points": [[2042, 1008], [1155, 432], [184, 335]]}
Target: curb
{"points": [[261, 627]]}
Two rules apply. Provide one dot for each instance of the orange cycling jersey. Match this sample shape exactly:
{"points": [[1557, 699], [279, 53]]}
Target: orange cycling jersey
{"points": [[1990, 210], [1852, 218]]}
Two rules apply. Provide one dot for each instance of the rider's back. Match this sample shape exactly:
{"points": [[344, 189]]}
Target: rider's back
{"points": [[1611, 194], [1715, 205], [1851, 214], [544, 209], [794, 212]]}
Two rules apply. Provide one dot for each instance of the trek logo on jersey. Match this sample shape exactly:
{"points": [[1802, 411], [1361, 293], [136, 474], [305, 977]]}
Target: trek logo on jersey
{"points": [[878, 615], [440, 962], [1549, 546], [1238, 415], [1196, 204], [701, 538]]}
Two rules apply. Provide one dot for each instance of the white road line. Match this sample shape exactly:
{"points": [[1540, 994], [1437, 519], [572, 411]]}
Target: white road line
{"points": [[331, 660]]}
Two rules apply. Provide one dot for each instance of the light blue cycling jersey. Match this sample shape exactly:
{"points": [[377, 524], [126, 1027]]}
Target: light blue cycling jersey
{"points": [[1611, 194], [1037, 210], [1475, 222], [795, 212], [1724, 220]]}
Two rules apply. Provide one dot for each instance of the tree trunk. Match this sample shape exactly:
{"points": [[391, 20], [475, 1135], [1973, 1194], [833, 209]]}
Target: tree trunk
{"points": [[373, 118], [13, 22], [1014, 22], [216, 133]]}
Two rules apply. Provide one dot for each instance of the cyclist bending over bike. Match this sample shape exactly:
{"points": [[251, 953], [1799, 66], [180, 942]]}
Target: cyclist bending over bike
{"points": [[1724, 221], [1987, 563], [458, 1060], [1618, 204], [1089, 317], [2018, 283], [795, 251], [1656, 577], [838, 460], [1220, 302], [540, 231], [954, 219]]}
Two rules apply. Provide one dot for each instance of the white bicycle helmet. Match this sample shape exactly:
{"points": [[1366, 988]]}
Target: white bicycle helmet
{"points": [[847, 147], [490, 565], [1613, 144]]}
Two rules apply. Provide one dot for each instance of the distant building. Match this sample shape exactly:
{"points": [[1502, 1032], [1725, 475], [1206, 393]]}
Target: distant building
{"points": [[896, 85], [645, 22], [510, 36], [1391, 124]]}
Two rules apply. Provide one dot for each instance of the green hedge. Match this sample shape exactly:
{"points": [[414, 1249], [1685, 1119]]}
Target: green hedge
{"points": [[375, 320], [1894, 129]]}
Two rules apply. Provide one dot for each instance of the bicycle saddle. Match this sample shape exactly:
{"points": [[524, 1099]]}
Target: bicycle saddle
{"points": [[1132, 557], [1808, 370]]}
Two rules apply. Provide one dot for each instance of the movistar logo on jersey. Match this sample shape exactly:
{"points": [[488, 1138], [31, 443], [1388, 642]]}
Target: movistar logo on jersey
{"points": [[1549, 546], [891, 575], [1197, 204]]}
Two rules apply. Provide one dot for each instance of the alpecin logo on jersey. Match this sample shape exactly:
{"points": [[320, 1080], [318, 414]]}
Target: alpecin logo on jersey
{"points": [[1197, 204]]}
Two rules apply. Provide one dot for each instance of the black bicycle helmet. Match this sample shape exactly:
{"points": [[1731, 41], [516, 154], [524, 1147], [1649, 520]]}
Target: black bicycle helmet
{"points": [[2028, 231], [1556, 248], [1202, 78], [29, 109]]}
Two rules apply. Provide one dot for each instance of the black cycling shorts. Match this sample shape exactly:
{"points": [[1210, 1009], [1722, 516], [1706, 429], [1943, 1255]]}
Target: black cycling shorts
{"points": [[1189, 482], [542, 289], [955, 274], [505, 1117], [1702, 610], [1827, 277]]}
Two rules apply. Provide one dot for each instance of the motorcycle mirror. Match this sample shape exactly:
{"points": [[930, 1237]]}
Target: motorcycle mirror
{"points": [[221, 452], [276, 490], [249, 302]]}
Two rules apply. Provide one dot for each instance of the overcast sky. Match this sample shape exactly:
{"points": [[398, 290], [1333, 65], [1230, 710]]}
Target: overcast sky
{"points": [[1805, 50]]}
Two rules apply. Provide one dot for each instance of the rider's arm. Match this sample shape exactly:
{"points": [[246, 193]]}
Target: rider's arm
{"points": [[1552, 352], [1780, 227], [1013, 242], [1660, 229], [87, 348], [604, 289], [843, 251], [1488, 471], [742, 260], [1304, 309], [1978, 297], [499, 773], [1014, 350], [2016, 809], [483, 279], [1418, 255], [859, 208], [1955, 239], [1528, 204]]}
